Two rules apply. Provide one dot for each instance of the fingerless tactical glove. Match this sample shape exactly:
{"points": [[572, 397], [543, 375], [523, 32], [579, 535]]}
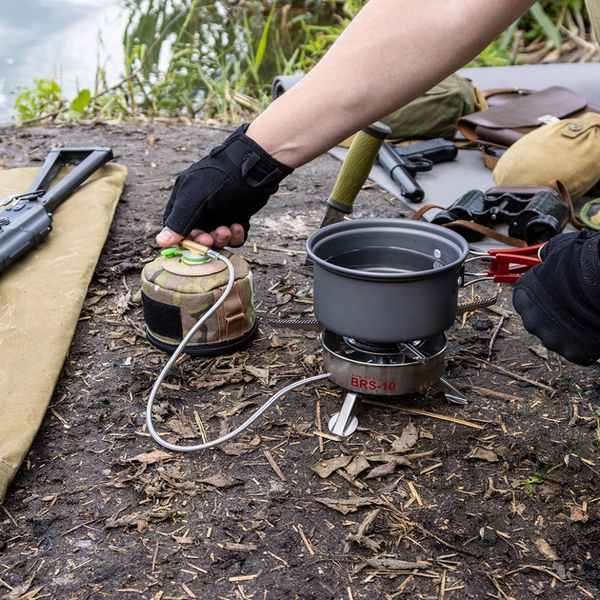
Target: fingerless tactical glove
{"points": [[228, 186], [559, 299]]}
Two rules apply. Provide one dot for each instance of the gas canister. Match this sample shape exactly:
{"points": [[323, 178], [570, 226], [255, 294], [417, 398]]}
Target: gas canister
{"points": [[181, 285]]}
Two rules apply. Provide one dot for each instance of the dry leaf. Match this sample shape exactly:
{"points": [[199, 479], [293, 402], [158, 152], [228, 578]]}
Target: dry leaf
{"points": [[234, 410], [549, 489], [382, 470], [578, 515], [20, 590], [276, 342], [348, 505], [407, 440], [136, 519], [388, 457], [261, 374], [142, 525], [480, 453], [324, 468], [357, 466], [235, 547], [182, 426], [149, 458], [183, 540], [540, 351], [221, 481], [393, 564], [545, 549], [240, 448]]}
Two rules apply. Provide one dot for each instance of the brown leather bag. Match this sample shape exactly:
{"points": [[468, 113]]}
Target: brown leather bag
{"points": [[515, 112]]}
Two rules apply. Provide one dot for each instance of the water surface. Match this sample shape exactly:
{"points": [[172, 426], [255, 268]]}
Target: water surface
{"points": [[67, 38]]}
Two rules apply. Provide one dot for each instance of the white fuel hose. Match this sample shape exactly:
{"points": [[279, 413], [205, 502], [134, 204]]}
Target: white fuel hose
{"points": [[176, 355]]}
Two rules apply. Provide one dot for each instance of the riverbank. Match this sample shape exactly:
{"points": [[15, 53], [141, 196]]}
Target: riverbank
{"points": [[498, 501]]}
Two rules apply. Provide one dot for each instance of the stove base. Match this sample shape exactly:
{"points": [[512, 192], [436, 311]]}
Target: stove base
{"points": [[345, 423]]}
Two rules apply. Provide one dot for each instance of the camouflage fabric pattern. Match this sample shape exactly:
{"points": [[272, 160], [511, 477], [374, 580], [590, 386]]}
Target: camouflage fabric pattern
{"points": [[197, 291]]}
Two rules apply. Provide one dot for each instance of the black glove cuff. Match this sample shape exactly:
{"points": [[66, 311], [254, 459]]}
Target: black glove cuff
{"points": [[256, 165]]}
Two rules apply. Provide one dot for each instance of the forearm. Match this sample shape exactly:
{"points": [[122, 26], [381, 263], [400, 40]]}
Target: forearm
{"points": [[391, 53]]}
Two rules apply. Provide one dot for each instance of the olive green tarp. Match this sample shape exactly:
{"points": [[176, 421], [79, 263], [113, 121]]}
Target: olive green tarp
{"points": [[40, 302]]}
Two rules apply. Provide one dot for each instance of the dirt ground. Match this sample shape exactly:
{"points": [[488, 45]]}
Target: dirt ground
{"points": [[500, 500]]}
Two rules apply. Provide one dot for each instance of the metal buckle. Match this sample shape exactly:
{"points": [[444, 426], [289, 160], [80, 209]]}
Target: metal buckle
{"points": [[548, 119]]}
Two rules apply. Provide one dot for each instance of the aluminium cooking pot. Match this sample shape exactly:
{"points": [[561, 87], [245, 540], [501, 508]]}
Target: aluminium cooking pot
{"points": [[387, 280]]}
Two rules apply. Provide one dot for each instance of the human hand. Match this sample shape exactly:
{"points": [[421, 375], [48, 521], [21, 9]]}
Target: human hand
{"points": [[559, 299], [212, 201], [219, 238]]}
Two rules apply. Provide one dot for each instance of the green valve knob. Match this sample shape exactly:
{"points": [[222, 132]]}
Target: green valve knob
{"points": [[171, 252]]}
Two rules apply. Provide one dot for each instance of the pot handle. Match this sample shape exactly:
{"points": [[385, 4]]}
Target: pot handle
{"points": [[506, 265]]}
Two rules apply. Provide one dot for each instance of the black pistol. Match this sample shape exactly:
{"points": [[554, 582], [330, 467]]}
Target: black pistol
{"points": [[26, 219], [401, 171], [403, 162], [428, 153]]}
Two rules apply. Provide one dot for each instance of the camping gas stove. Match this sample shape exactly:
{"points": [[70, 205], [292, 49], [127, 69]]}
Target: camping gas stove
{"points": [[373, 369], [365, 368]]}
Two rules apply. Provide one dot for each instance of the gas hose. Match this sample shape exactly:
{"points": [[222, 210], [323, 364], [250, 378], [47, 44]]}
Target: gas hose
{"points": [[181, 348]]}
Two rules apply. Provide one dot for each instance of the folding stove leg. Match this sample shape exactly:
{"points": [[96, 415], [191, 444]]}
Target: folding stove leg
{"points": [[451, 393], [345, 422]]}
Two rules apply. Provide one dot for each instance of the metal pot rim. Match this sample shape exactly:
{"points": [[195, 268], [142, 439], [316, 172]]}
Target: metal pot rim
{"points": [[399, 225]]}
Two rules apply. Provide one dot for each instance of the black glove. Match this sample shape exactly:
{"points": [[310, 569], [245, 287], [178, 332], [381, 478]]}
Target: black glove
{"points": [[228, 186], [559, 299]]}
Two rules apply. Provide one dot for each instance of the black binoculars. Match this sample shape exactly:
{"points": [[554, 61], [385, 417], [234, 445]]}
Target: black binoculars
{"points": [[531, 216]]}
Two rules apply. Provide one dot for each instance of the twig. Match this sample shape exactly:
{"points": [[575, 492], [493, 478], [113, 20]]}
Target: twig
{"points": [[6, 585], [487, 392], [506, 371], [200, 427], [497, 586], [537, 568], [80, 565], [154, 558], [123, 81], [10, 516], [360, 537], [78, 526], [305, 539], [443, 586], [494, 336], [275, 466], [320, 427], [424, 413], [445, 543], [302, 252], [413, 491]]}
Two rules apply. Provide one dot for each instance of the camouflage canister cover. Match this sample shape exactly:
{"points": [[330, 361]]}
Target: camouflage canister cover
{"points": [[175, 296]]}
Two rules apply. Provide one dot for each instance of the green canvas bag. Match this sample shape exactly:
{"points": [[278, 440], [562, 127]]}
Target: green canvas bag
{"points": [[435, 113]]}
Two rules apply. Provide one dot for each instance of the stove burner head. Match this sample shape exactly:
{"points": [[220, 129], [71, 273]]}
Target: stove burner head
{"points": [[374, 347]]}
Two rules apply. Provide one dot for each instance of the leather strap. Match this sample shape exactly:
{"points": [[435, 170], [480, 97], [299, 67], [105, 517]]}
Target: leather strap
{"points": [[488, 160], [563, 192], [512, 90]]}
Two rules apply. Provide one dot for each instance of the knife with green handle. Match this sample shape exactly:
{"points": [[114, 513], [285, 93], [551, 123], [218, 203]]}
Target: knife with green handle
{"points": [[354, 172]]}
